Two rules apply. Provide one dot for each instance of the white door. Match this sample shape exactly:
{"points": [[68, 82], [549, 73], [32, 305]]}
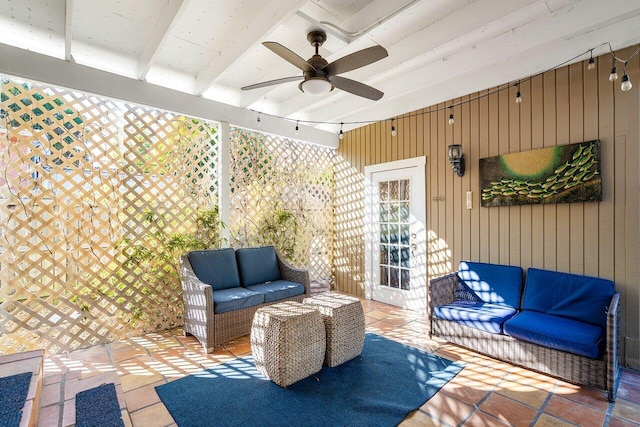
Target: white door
{"points": [[395, 233]]}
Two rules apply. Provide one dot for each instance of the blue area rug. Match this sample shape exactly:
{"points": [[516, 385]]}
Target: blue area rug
{"points": [[379, 388], [13, 395], [98, 407]]}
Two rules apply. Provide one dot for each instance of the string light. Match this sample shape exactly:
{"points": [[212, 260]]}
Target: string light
{"points": [[393, 129], [258, 120], [297, 128], [592, 62], [626, 83], [625, 86], [518, 96]]}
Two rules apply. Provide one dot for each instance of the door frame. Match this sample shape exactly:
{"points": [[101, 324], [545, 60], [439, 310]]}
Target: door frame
{"points": [[370, 217]]}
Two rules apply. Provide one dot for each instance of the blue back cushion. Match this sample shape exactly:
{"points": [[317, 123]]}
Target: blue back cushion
{"points": [[216, 267], [568, 295], [257, 265], [493, 283]]}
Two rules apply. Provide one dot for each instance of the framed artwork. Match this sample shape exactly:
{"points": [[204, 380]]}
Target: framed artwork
{"points": [[561, 174]]}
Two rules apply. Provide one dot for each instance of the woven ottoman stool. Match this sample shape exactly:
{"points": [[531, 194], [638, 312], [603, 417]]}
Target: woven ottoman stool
{"points": [[288, 341], [344, 321]]}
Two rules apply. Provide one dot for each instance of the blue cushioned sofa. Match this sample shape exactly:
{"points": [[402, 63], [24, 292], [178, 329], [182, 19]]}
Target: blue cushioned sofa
{"points": [[561, 324], [223, 288]]}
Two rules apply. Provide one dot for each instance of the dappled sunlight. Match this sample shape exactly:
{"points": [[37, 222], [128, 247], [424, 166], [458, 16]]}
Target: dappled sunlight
{"points": [[60, 364], [485, 392], [238, 369], [348, 256], [439, 255]]}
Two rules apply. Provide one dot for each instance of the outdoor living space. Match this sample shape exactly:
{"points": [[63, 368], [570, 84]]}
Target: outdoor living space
{"points": [[485, 393]]}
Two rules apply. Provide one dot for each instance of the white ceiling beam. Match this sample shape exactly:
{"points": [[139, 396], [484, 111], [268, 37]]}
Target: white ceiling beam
{"points": [[254, 32], [437, 41], [68, 29], [170, 16], [42, 68], [483, 74]]}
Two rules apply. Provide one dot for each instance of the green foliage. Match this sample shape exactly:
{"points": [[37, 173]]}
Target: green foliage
{"points": [[280, 229], [157, 251]]}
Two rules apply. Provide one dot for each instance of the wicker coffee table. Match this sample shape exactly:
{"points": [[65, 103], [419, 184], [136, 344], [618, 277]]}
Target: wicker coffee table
{"points": [[288, 342], [344, 321]]}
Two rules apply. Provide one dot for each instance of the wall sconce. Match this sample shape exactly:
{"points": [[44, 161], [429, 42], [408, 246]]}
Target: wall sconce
{"points": [[457, 159]]}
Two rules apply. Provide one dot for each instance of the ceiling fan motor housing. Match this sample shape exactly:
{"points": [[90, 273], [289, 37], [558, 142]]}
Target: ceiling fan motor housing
{"points": [[316, 38]]}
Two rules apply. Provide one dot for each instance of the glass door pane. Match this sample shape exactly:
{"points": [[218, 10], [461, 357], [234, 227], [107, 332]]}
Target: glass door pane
{"points": [[395, 236]]}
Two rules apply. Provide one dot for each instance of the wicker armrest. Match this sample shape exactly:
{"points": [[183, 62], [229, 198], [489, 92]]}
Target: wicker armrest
{"points": [[198, 305], [613, 345], [293, 274], [189, 280], [442, 290]]}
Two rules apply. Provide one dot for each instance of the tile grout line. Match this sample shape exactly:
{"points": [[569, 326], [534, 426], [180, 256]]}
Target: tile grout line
{"points": [[542, 408]]}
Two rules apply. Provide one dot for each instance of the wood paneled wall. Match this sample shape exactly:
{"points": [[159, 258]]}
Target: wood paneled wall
{"points": [[567, 105]]}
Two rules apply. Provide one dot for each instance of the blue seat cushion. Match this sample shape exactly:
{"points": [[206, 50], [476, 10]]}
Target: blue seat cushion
{"points": [[573, 296], [277, 290], [480, 315], [493, 283], [556, 332], [216, 267], [232, 299], [257, 265]]}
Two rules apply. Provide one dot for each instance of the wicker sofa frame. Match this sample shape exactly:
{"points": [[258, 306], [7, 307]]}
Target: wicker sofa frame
{"points": [[212, 329], [600, 373]]}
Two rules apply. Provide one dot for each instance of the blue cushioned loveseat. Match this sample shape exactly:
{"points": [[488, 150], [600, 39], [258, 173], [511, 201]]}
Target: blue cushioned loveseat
{"points": [[562, 324], [223, 288]]}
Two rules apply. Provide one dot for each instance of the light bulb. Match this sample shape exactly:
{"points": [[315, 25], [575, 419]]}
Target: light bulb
{"points": [[518, 98], [297, 128], [393, 130], [592, 64], [614, 75], [316, 86], [626, 83], [451, 118], [341, 136], [258, 120]]}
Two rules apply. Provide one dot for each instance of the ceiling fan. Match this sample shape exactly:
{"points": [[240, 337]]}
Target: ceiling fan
{"points": [[319, 76]]}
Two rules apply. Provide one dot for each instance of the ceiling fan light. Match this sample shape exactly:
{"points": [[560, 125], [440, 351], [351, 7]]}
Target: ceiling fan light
{"points": [[316, 86]]}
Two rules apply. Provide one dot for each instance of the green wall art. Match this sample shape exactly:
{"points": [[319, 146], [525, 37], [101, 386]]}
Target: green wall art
{"points": [[561, 174]]}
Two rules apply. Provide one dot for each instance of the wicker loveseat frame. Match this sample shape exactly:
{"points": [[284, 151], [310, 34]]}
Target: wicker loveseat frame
{"points": [[601, 373], [213, 329]]}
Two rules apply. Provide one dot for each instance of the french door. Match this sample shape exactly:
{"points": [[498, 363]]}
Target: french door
{"points": [[395, 246]]}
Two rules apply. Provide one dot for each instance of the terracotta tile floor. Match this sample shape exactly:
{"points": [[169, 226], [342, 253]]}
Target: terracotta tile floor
{"points": [[485, 393]]}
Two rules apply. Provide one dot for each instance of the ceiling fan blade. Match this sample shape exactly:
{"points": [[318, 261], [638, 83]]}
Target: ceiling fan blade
{"points": [[273, 82], [356, 88], [356, 60], [289, 56]]}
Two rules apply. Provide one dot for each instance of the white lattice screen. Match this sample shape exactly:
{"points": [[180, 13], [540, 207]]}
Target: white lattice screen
{"points": [[282, 194], [78, 175], [87, 185]]}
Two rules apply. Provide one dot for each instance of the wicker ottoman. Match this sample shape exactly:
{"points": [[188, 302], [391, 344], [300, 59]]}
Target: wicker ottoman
{"points": [[344, 321], [288, 342]]}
